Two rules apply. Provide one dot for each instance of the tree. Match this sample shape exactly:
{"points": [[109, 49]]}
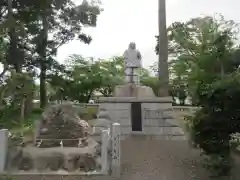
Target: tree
{"points": [[213, 124], [201, 51], [3, 49], [66, 21], [12, 33], [112, 74], [82, 78], [205, 57], [16, 92], [28, 24], [152, 82], [26, 47]]}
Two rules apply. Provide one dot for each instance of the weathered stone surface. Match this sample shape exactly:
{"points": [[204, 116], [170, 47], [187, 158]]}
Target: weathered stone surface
{"points": [[26, 163], [101, 124], [137, 91], [18, 160], [103, 114], [98, 149], [56, 162], [62, 122], [3, 148], [157, 114], [51, 161], [87, 162], [14, 157], [84, 162], [55, 158], [70, 163]]}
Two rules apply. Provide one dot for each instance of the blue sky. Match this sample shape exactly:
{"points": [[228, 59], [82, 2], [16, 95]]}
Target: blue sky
{"points": [[123, 21]]}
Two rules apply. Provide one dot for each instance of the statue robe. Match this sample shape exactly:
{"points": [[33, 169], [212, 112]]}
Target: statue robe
{"points": [[132, 62]]}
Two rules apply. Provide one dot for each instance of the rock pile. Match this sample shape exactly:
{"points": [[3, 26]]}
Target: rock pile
{"points": [[61, 124]]}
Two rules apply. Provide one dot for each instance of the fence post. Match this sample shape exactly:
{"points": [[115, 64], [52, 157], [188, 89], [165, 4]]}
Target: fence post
{"points": [[104, 151], [116, 136], [36, 131], [3, 148]]}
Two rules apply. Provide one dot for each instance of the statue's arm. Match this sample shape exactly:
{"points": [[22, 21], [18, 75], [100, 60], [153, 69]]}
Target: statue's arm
{"points": [[139, 56], [125, 54]]}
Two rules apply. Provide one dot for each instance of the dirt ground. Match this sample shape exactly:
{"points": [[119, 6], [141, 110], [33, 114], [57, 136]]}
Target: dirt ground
{"points": [[151, 158]]}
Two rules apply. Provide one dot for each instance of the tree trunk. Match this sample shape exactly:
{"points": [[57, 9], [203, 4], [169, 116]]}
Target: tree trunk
{"points": [[29, 104], [43, 95], [43, 55], [22, 116], [222, 69], [163, 72], [89, 96], [12, 49]]}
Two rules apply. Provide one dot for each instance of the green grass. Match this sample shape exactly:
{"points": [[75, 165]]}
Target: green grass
{"points": [[28, 126]]}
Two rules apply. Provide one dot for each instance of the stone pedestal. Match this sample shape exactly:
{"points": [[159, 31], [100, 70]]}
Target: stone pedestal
{"points": [[150, 116], [133, 90]]}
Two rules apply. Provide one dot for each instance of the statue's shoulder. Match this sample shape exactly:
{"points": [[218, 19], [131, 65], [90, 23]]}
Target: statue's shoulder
{"points": [[126, 52], [138, 53]]}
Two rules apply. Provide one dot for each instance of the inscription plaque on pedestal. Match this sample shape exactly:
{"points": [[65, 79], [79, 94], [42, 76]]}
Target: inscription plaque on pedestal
{"points": [[136, 116], [157, 117]]}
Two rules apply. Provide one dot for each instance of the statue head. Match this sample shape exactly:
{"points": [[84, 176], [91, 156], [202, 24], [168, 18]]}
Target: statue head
{"points": [[132, 45]]}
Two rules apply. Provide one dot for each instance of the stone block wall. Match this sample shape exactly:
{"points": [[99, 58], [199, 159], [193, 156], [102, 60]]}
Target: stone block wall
{"points": [[158, 119], [157, 115], [119, 113]]}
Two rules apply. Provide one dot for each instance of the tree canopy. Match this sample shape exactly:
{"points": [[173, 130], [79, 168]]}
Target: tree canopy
{"points": [[201, 51], [204, 61]]}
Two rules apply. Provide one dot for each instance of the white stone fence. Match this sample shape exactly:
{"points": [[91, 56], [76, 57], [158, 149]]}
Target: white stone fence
{"points": [[110, 151]]}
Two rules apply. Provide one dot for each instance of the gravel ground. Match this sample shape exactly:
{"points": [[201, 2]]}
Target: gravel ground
{"points": [[148, 158]]}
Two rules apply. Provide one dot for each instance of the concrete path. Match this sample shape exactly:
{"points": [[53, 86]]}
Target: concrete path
{"points": [[147, 158]]}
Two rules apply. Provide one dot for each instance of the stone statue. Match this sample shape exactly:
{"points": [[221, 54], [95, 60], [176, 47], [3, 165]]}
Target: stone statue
{"points": [[132, 61], [132, 88]]}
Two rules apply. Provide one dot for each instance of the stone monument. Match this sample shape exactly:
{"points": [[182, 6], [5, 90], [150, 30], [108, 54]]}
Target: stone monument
{"points": [[132, 64], [62, 143], [136, 108]]}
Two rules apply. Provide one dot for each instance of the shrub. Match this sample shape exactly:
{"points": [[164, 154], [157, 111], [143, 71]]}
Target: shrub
{"points": [[219, 117], [6, 178], [37, 111], [218, 165], [88, 113]]}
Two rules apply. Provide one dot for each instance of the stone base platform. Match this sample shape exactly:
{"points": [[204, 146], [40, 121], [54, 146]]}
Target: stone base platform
{"points": [[146, 116], [31, 159]]}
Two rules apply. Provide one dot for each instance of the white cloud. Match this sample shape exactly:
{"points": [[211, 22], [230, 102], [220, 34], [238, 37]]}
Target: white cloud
{"points": [[123, 21]]}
